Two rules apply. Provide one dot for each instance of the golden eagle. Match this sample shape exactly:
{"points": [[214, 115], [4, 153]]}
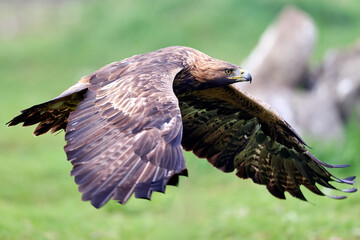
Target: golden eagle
{"points": [[127, 125]]}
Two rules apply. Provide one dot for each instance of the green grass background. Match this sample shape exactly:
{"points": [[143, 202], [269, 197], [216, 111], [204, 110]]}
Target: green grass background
{"points": [[69, 39]]}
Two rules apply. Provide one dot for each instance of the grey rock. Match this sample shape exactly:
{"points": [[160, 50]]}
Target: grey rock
{"points": [[282, 53], [279, 63], [338, 78]]}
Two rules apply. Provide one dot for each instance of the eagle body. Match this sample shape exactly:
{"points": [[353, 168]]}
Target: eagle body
{"points": [[127, 125]]}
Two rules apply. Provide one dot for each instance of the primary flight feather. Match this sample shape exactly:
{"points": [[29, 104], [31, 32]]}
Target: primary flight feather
{"points": [[127, 123]]}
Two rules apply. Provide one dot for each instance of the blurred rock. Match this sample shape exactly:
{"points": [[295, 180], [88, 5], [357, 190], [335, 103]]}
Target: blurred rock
{"points": [[279, 63], [339, 79], [282, 53]]}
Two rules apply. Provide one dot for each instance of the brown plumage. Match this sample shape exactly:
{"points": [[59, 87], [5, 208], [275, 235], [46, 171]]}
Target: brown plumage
{"points": [[127, 123]]}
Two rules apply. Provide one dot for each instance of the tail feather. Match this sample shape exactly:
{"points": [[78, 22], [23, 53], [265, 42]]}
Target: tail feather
{"points": [[47, 117], [51, 116], [28, 116]]}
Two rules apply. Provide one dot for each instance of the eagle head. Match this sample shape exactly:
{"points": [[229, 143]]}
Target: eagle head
{"points": [[211, 72]]}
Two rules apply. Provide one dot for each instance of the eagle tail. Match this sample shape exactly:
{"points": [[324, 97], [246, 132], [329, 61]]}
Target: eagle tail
{"points": [[42, 114], [51, 115]]}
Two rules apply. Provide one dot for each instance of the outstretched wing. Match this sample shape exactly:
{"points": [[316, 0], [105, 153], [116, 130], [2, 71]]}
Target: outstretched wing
{"points": [[125, 136], [235, 131]]}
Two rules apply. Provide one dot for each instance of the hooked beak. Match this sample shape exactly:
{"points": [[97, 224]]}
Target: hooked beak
{"points": [[241, 75]]}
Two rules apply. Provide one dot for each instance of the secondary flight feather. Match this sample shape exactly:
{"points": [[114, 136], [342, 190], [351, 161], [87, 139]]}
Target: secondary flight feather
{"points": [[127, 123]]}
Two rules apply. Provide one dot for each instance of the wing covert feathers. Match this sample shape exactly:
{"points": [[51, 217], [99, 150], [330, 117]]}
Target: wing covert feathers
{"points": [[236, 132]]}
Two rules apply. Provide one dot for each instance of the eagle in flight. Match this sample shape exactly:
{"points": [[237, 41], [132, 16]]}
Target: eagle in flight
{"points": [[127, 125]]}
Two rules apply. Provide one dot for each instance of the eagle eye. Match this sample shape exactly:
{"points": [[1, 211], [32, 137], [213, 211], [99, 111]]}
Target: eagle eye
{"points": [[228, 71]]}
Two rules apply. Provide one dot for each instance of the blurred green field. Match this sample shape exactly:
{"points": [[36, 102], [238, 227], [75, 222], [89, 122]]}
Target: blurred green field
{"points": [[69, 39]]}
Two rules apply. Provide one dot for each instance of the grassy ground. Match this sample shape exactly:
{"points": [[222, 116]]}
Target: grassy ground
{"points": [[57, 44]]}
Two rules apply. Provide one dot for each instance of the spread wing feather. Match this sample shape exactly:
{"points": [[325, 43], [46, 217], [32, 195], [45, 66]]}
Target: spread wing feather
{"points": [[237, 132], [125, 136]]}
